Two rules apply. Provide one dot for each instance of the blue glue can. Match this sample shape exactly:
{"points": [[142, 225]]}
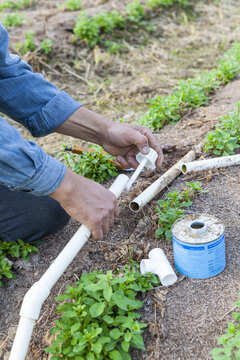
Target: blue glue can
{"points": [[199, 246]]}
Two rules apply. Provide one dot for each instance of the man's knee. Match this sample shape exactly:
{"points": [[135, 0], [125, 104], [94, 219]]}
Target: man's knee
{"points": [[27, 217]]}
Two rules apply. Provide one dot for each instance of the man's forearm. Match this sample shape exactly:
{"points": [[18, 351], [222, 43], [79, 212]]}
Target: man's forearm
{"points": [[86, 125]]}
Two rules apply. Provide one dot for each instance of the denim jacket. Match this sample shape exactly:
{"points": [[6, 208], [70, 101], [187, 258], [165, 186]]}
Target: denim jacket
{"points": [[37, 104]]}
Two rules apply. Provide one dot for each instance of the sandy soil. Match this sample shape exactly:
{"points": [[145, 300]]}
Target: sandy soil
{"points": [[185, 319]]}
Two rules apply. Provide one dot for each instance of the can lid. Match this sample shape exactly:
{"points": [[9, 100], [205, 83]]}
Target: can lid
{"points": [[197, 228]]}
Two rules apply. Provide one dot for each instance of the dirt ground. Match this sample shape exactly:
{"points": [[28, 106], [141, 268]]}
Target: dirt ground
{"points": [[184, 319]]}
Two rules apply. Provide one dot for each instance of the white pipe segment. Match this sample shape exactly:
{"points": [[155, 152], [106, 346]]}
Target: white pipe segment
{"points": [[148, 194], [158, 264], [38, 293], [208, 164]]}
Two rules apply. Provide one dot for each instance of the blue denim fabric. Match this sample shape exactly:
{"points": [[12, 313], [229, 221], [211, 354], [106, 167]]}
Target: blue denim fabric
{"points": [[37, 104]]}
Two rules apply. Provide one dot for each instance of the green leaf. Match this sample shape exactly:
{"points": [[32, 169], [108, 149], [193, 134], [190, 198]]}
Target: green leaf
{"points": [[115, 355], [125, 346], [127, 336], [120, 301], [107, 292], [108, 319], [97, 309], [115, 334], [97, 347], [75, 327], [90, 356]]}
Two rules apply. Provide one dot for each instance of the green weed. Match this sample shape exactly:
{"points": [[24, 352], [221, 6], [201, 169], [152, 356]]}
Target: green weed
{"points": [[226, 138], [27, 45], [172, 208], [113, 47], [71, 5], [229, 344], [13, 250], [135, 11], [17, 4], [95, 166], [92, 28], [46, 46], [99, 316], [12, 20], [166, 3]]}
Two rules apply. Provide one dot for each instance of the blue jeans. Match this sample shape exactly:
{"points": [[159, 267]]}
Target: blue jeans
{"points": [[28, 217]]}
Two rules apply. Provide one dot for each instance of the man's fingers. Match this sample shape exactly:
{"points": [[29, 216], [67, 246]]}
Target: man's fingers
{"points": [[139, 139], [116, 209], [154, 144], [106, 225], [97, 232], [122, 161]]}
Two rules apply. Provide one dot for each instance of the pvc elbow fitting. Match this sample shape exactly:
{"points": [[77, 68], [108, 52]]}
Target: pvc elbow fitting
{"points": [[159, 265]]}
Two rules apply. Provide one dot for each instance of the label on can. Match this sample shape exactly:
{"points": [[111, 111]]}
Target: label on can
{"points": [[199, 261]]}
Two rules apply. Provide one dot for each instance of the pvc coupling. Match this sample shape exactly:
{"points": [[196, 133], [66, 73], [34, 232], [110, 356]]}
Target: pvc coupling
{"points": [[150, 157], [159, 265], [145, 160]]}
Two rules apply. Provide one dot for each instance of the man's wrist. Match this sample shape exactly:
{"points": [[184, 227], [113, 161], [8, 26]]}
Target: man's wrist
{"points": [[86, 125]]}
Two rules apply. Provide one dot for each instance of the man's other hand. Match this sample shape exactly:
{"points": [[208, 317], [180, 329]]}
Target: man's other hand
{"points": [[87, 202], [125, 140]]}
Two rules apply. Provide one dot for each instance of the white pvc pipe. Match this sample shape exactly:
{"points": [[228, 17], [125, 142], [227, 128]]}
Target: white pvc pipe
{"points": [[208, 164], [148, 194], [22, 338], [40, 290], [159, 265], [145, 160]]}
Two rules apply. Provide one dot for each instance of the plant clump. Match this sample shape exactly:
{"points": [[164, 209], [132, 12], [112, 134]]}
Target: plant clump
{"points": [[71, 5], [99, 318], [92, 28], [16, 4], [96, 166], [29, 44], [226, 137], [172, 208], [192, 93], [13, 250], [13, 20], [229, 344]]}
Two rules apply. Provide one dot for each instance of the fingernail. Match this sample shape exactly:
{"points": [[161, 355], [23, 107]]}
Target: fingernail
{"points": [[145, 149]]}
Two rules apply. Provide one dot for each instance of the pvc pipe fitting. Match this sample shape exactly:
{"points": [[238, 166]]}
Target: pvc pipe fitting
{"points": [[151, 158], [145, 160], [159, 265], [208, 164], [149, 193]]}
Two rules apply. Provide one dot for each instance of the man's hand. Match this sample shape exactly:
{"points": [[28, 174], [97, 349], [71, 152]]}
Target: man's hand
{"points": [[126, 140], [121, 140], [87, 202]]}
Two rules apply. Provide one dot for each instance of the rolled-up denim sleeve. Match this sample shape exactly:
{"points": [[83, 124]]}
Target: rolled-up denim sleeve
{"points": [[24, 166], [27, 97]]}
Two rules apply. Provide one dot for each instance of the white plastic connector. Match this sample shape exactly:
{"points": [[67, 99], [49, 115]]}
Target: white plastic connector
{"points": [[145, 160], [159, 265], [151, 157]]}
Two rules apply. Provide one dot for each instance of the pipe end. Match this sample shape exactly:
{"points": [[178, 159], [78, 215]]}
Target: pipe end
{"points": [[169, 279], [134, 206], [184, 169]]}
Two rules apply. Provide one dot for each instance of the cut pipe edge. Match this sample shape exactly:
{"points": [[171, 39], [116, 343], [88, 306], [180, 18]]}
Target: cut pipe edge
{"points": [[38, 293], [148, 194], [209, 164]]}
